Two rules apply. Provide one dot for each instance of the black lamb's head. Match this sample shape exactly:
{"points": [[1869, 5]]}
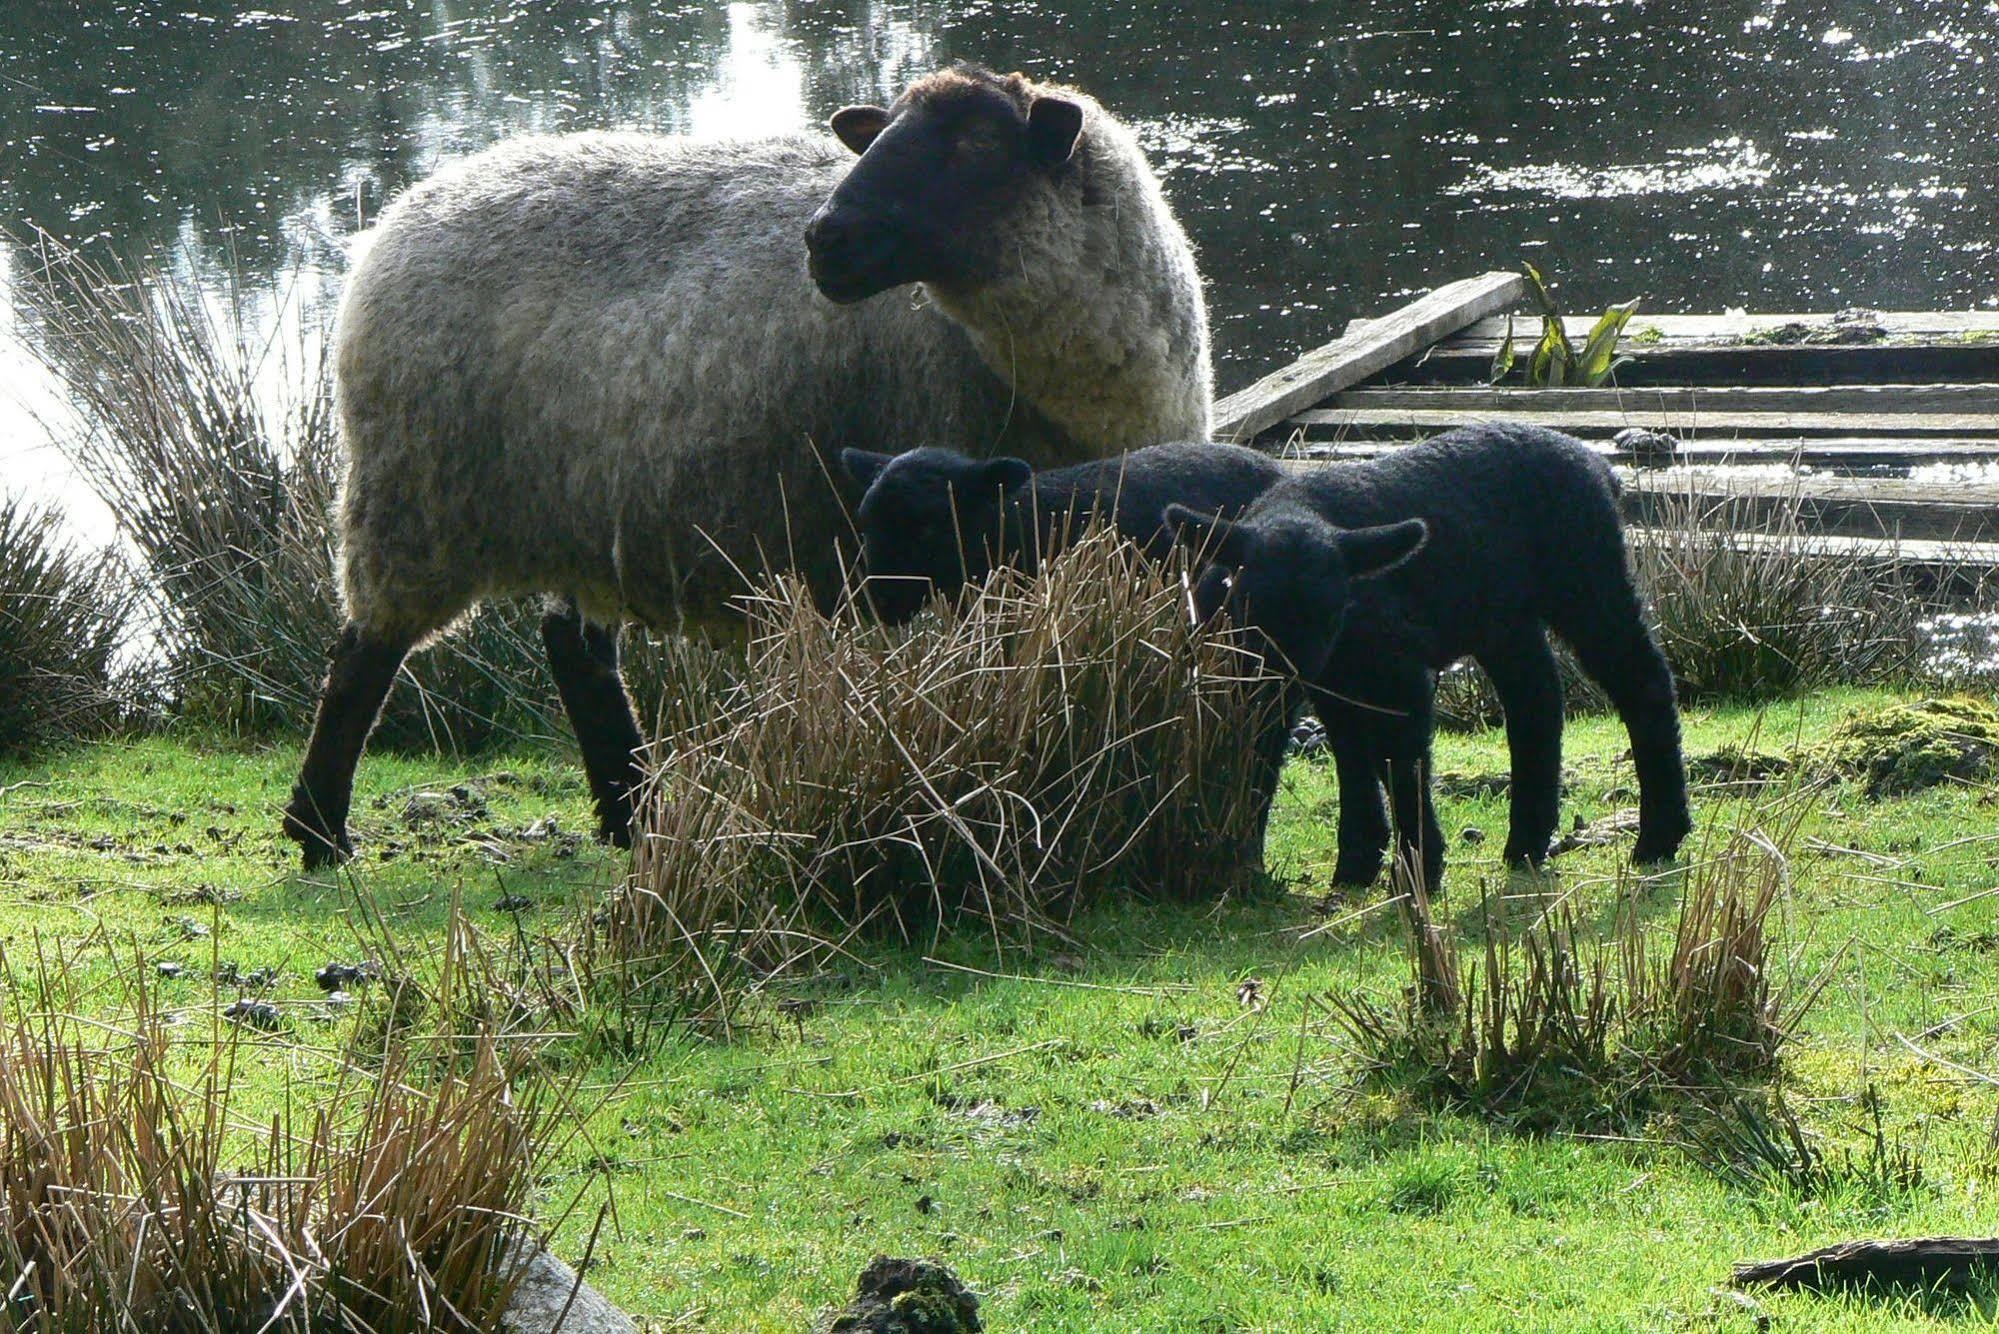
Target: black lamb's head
{"points": [[930, 521], [1285, 577]]}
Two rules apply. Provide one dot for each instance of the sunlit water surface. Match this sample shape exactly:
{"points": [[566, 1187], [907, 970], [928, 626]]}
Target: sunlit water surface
{"points": [[1328, 157]]}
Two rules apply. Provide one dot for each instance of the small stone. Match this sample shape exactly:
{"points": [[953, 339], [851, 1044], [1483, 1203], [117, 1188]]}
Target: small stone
{"points": [[170, 970]]}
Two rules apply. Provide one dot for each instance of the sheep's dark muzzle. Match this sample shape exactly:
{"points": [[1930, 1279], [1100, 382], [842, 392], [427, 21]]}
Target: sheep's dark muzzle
{"points": [[849, 260]]}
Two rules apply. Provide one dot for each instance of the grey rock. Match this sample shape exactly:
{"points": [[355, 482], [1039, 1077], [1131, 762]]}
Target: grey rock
{"points": [[543, 1292]]}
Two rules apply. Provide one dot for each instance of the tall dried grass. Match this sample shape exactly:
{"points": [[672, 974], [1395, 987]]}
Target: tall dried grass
{"points": [[136, 1192], [1051, 740], [63, 615], [211, 438]]}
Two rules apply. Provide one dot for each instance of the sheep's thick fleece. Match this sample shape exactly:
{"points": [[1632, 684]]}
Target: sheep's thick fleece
{"points": [[594, 365]]}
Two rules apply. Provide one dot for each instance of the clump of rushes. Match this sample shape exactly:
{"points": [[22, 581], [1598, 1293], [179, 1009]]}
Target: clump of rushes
{"points": [[63, 616], [212, 440], [1552, 1028], [135, 1192], [1051, 740], [1753, 606]]}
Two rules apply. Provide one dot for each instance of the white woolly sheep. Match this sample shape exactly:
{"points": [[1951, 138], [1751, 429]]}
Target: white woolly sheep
{"points": [[593, 366]]}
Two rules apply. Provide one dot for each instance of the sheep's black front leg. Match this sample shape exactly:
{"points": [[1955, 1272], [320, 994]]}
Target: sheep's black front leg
{"points": [[1529, 685], [1363, 830], [362, 670], [1403, 754], [584, 660]]}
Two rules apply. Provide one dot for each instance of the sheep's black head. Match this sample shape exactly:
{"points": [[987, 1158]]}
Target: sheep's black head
{"points": [[939, 175], [1286, 576], [930, 521]]}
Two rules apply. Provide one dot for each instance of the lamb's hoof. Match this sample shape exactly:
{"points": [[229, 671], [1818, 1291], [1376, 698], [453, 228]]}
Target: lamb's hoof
{"points": [[1660, 853], [1355, 877], [1655, 849], [318, 849]]}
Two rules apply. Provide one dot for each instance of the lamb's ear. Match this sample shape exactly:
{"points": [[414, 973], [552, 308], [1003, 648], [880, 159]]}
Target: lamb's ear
{"points": [[1372, 551], [1007, 474], [1208, 535], [1054, 125], [863, 466], [856, 127]]}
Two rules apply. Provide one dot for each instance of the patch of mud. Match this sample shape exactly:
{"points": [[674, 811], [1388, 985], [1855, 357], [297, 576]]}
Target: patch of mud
{"points": [[898, 1296], [1909, 748], [1597, 833], [1737, 765]]}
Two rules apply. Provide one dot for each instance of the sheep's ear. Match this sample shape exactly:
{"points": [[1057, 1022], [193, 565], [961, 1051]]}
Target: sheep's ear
{"points": [[856, 127], [864, 467], [1372, 551], [1054, 125], [1208, 535], [1005, 474]]}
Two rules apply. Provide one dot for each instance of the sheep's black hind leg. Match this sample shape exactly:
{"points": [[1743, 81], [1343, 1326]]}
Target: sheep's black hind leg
{"points": [[584, 659], [358, 680], [1363, 830], [1529, 686], [1629, 665]]}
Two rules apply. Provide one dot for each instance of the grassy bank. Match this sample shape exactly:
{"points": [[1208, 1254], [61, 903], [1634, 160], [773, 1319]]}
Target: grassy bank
{"points": [[1119, 1132]]}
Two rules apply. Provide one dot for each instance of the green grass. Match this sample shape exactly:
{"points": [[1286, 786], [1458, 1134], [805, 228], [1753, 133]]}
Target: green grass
{"points": [[1110, 1138]]}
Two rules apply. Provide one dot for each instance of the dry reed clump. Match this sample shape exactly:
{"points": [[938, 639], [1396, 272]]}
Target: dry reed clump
{"points": [[1051, 740], [63, 616], [212, 440], [135, 1192], [1752, 606], [1550, 1027]]}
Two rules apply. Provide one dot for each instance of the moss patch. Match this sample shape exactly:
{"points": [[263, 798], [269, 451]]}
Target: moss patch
{"points": [[1912, 747]]}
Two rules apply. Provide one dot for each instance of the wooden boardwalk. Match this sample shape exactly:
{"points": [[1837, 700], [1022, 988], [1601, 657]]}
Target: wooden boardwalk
{"points": [[1878, 432]]}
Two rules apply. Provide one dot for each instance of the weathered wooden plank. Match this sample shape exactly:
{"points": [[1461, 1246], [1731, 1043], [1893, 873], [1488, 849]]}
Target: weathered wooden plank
{"points": [[1835, 452], [1634, 413], [1900, 399], [1877, 508], [1747, 364], [1852, 507], [1937, 557], [1894, 324], [1348, 361]]}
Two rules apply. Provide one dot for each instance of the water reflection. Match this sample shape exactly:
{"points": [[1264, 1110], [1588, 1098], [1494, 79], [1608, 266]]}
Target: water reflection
{"points": [[1329, 157]]}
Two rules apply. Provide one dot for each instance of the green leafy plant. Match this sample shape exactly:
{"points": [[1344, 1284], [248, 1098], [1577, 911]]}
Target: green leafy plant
{"points": [[1555, 363]]}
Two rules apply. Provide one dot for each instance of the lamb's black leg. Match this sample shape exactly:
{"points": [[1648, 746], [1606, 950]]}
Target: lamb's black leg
{"points": [[363, 668], [1403, 752], [1363, 831], [584, 659], [1529, 685], [1632, 670]]}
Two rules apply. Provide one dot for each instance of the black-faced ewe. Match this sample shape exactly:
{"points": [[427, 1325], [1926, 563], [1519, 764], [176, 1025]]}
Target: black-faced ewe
{"points": [[932, 520], [595, 366], [1523, 536]]}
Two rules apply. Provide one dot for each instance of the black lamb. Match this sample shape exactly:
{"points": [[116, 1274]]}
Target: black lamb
{"points": [[1524, 535], [933, 520]]}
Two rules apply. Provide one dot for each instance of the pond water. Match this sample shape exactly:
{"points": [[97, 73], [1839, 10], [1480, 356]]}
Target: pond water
{"points": [[1329, 158]]}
